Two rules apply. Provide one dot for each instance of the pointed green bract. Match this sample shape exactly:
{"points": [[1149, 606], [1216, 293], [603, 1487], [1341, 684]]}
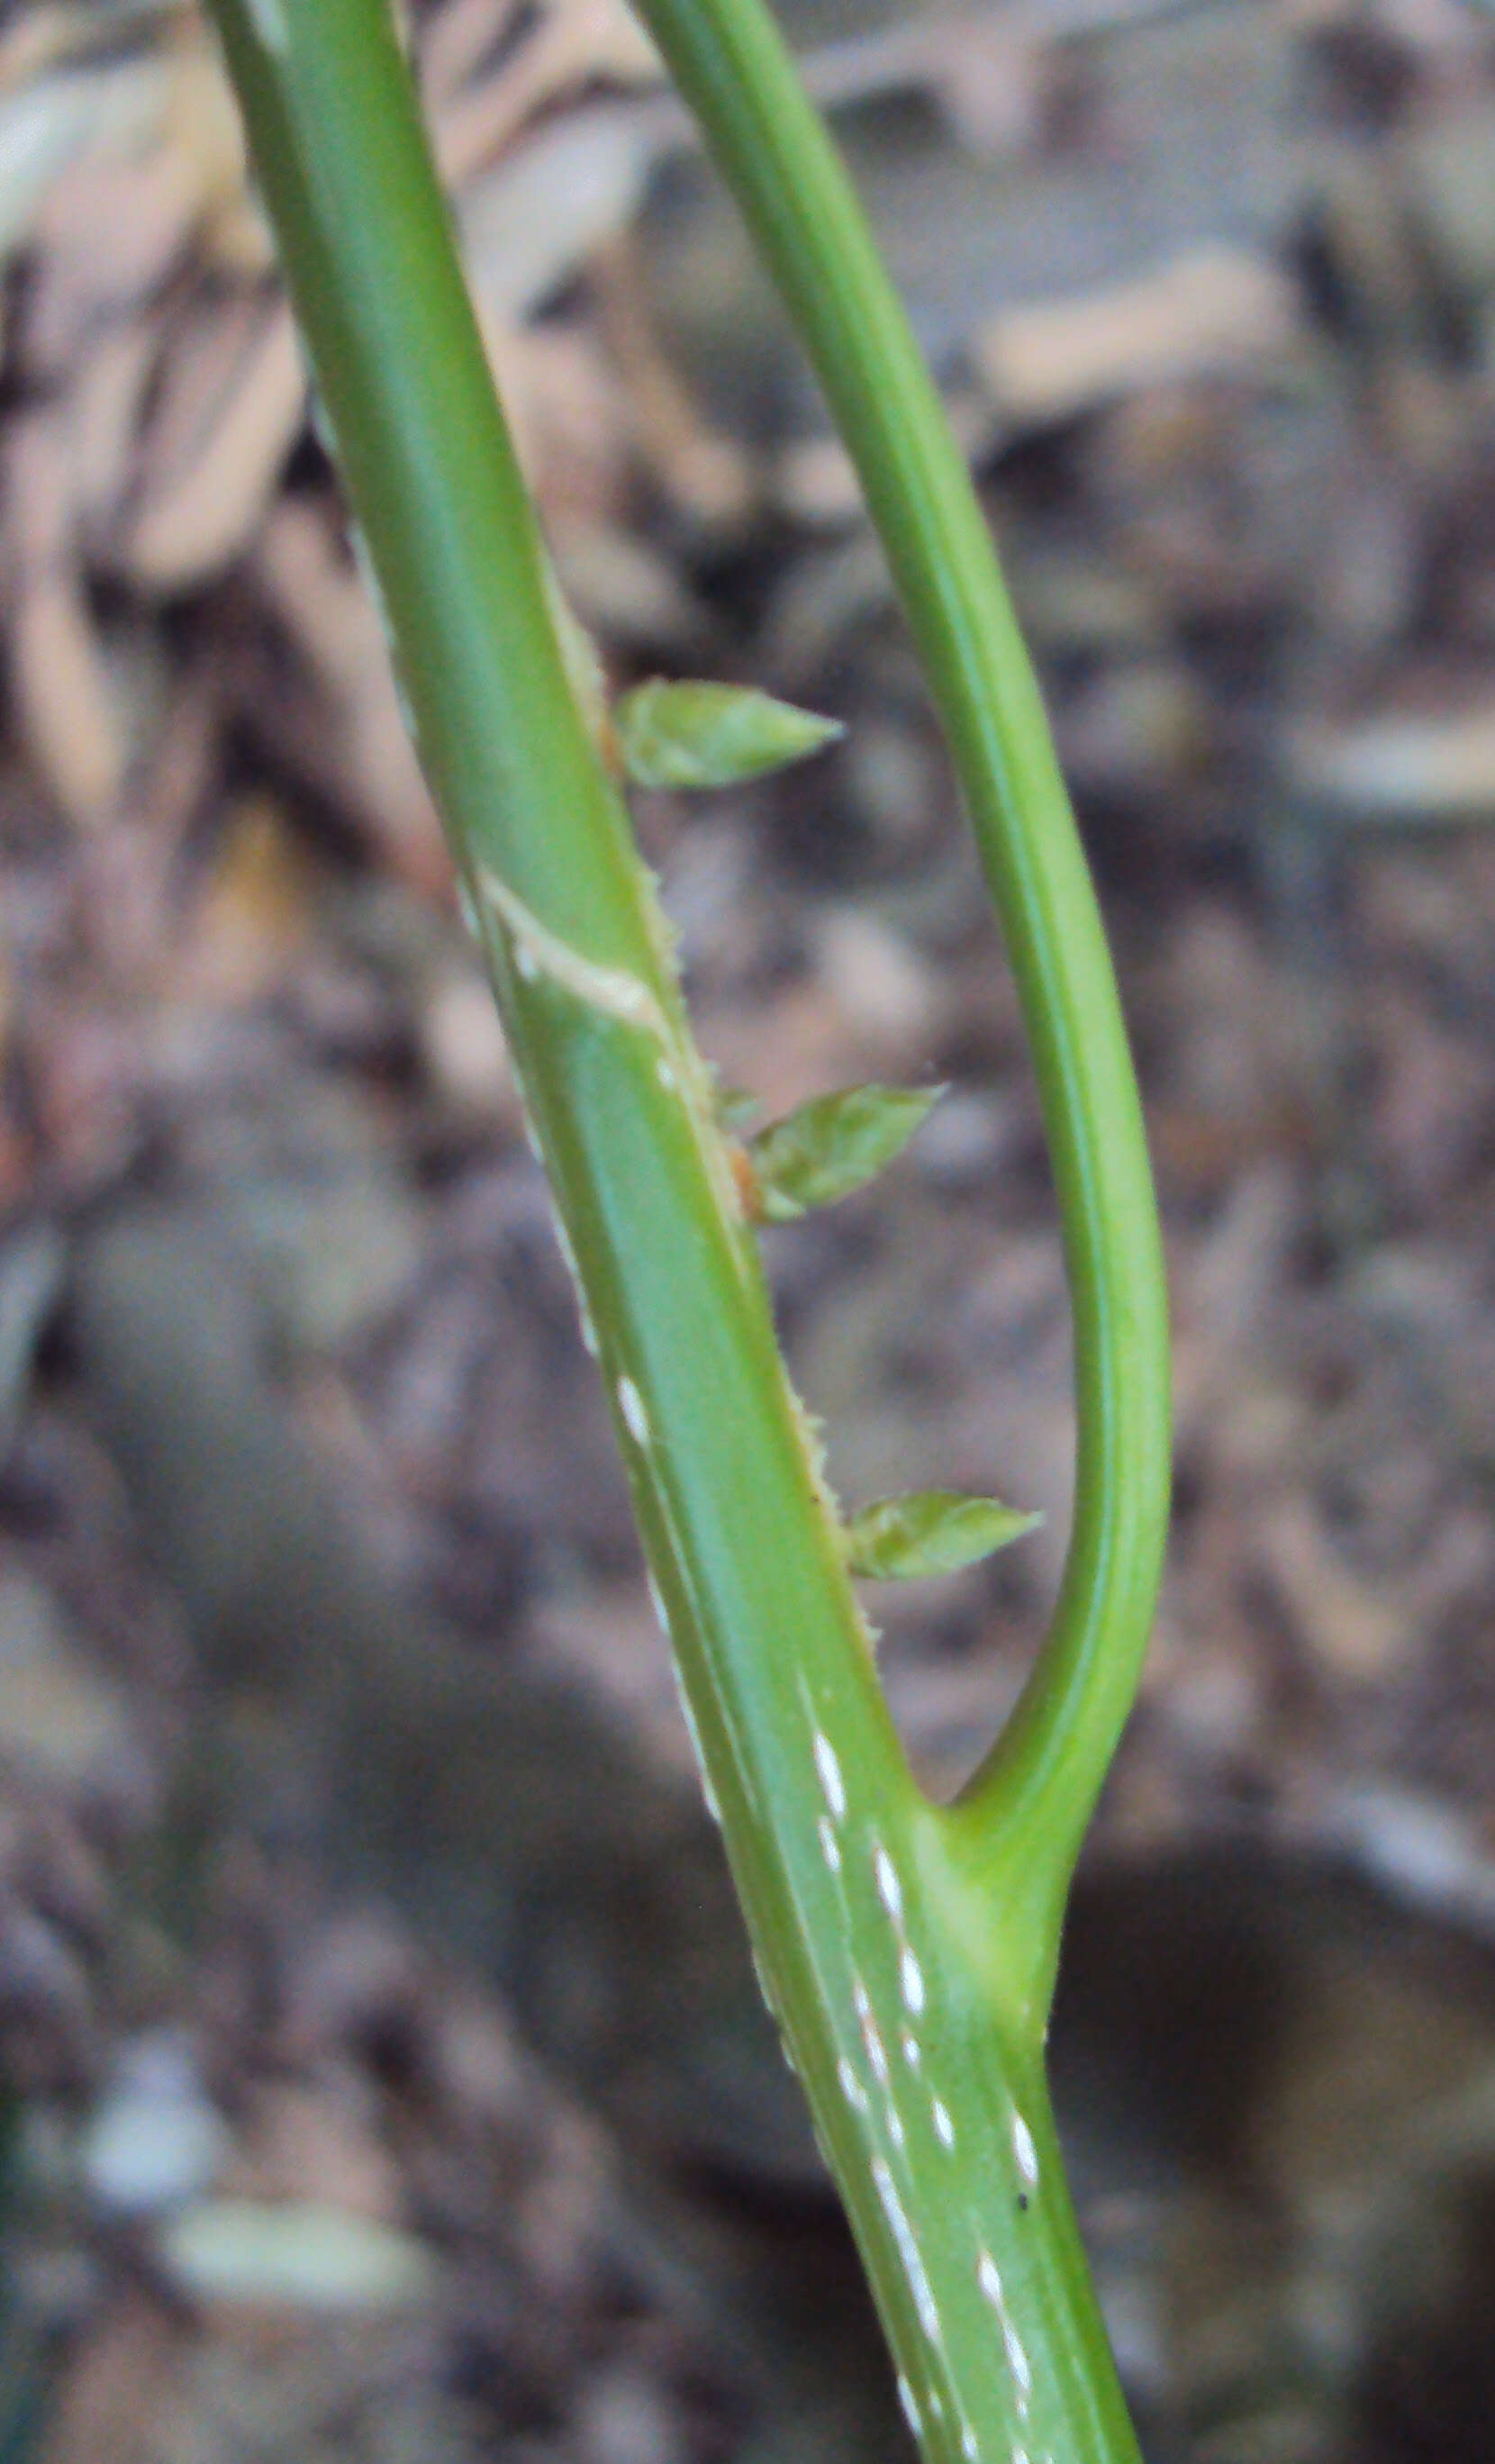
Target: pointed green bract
{"points": [[826, 1149], [930, 1531], [712, 736]]}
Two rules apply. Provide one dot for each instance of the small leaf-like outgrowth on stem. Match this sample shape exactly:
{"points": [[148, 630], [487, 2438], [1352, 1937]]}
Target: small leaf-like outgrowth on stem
{"points": [[826, 1149], [712, 736], [930, 1531]]}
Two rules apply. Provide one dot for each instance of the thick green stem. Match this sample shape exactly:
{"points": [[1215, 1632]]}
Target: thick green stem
{"points": [[906, 1949]]}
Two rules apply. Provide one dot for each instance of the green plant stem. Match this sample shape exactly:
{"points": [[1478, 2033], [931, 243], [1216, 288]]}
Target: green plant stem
{"points": [[1026, 1813], [908, 1950]]}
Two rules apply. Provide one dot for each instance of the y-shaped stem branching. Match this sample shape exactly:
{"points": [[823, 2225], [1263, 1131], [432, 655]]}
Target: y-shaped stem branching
{"points": [[907, 1949], [1026, 1811]]}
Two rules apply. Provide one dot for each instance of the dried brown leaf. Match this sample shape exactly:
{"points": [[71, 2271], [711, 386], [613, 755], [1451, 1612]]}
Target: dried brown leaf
{"points": [[1210, 309], [68, 711], [205, 504], [574, 44], [321, 601]]}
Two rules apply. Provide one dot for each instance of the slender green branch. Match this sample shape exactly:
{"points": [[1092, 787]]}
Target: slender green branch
{"points": [[1025, 1814], [907, 1950]]}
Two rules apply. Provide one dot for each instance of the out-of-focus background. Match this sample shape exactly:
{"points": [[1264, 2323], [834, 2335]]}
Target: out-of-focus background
{"points": [[385, 2079]]}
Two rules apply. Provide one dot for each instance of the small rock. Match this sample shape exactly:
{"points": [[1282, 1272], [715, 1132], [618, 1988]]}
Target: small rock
{"points": [[156, 2139], [300, 2255]]}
